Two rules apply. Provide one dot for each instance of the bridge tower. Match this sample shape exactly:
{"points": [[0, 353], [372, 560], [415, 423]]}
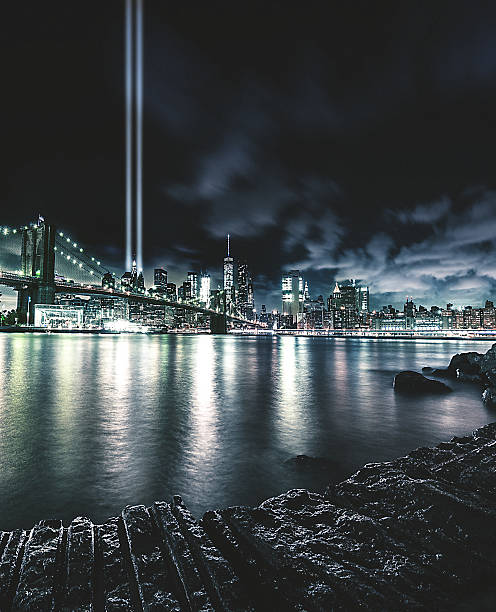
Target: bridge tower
{"points": [[218, 322], [38, 261]]}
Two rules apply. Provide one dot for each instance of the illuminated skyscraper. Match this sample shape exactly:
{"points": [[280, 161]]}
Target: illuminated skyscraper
{"points": [[205, 289], [228, 268], [363, 299], [193, 280], [160, 279], [292, 293], [244, 297], [229, 275]]}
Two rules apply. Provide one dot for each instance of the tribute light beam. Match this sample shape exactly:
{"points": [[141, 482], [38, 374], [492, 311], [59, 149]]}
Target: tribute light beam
{"points": [[134, 132], [129, 131], [139, 133]]}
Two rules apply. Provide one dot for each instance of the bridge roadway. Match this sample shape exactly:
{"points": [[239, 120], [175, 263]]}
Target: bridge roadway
{"points": [[16, 281]]}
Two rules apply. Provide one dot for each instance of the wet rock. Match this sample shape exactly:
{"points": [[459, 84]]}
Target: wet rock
{"points": [[414, 383], [474, 368], [438, 372], [466, 365], [306, 462]]}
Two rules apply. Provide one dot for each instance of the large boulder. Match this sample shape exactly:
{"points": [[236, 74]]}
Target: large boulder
{"points": [[466, 366], [414, 383], [475, 368]]}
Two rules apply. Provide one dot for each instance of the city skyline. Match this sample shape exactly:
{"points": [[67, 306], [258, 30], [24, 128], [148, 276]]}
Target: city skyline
{"points": [[346, 163]]}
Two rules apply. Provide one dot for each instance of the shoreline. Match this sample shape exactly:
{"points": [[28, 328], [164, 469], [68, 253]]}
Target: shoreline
{"points": [[418, 532], [277, 333]]}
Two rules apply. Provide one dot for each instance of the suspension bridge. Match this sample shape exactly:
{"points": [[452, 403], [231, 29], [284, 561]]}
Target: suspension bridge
{"points": [[38, 262]]}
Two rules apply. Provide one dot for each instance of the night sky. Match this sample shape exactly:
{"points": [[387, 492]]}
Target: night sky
{"points": [[347, 139]]}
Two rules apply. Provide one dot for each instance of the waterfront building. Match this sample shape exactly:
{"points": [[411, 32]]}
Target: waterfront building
{"points": [[343, 305], [58, 316], [313, 314], [114, 309], [292, 294], [489, 316]]}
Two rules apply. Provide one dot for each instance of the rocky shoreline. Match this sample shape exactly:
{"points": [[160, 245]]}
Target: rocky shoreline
{"points": [[417, 533]]}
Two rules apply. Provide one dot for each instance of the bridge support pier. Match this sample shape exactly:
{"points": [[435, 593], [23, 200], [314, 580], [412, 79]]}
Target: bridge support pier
{"points": [[38, 261], [218, 324]]}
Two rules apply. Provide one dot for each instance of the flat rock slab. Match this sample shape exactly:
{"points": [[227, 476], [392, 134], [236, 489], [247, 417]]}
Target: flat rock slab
{"points": [[416, 533]]}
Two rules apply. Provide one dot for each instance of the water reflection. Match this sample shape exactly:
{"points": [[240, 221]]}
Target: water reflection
{"points": [[90, 424]]}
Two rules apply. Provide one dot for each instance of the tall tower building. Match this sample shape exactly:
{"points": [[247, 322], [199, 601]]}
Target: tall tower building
{"points": [[363, 299], [244, 298], [292, 293], [228, 272], [160, 279], [205, 289], [195, 289]]}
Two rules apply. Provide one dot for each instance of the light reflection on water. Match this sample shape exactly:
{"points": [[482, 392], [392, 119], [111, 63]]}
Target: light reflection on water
{"points": [[90, 424]]}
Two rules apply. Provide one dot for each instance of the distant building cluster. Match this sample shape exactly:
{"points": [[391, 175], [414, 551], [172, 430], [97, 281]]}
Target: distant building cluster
{"points": [[436, 318], [193, 303], [233, 294], [348, 307]]}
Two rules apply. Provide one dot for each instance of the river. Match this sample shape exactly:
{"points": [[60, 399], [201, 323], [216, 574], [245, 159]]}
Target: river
{"points": [[89, 424]]}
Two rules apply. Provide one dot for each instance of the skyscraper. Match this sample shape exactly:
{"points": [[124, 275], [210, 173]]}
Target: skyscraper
{"points": [[245, 300], [228, 272], [363, 299], [292, 293], [193, 280], [160, 279], [205, 289]]}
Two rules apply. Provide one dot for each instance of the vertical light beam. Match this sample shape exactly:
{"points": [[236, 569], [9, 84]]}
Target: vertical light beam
{"points": [[139, 133], [129, 130]]}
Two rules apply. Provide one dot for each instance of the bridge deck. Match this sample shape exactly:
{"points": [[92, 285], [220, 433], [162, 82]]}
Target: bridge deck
{"points": [[14, 280]]}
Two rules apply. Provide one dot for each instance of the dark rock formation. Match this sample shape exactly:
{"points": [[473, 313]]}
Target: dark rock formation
{"points": [[414, 383], [475, 368], [417, 533], [438, 372], [304, 462], [466, 366]]}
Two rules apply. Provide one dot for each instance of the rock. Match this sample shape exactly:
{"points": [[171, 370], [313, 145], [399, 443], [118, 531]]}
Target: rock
{"points": [[471, 378], [466, 364], [439, 372], [415, 383], [474, 368], [310, 463]]}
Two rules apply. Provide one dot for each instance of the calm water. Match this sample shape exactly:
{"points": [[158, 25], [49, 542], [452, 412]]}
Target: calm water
{"points": [[90, 424]]}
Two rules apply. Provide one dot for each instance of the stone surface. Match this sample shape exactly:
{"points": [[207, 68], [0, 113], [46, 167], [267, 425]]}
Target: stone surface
{"points": [[475, 368], [416, 533], [414, 383]]}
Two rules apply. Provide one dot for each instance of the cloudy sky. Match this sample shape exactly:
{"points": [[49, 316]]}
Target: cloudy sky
{"points": [[346, 139]]}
